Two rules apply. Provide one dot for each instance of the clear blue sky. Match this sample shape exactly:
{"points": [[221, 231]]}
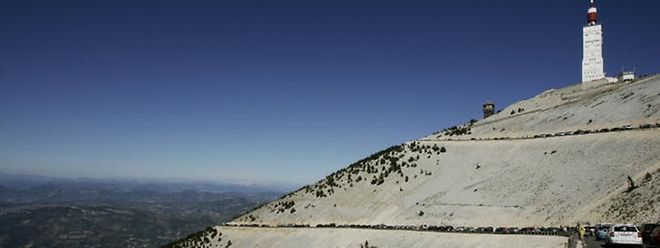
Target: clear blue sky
{"points": [[283, 91]]}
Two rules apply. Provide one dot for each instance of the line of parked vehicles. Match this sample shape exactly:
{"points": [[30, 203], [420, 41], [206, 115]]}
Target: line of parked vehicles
{"points": [[558, 231], [626, 234], [562, 231], [613, 234]]}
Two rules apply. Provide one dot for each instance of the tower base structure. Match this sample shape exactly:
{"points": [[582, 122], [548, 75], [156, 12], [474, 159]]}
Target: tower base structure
{"points": [[592, 62]]}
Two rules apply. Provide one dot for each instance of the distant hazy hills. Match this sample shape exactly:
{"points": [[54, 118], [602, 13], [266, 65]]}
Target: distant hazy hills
{"points": [[21, 181], [54, 212]]}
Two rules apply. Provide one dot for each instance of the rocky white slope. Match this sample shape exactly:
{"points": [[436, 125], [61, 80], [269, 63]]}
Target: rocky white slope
{"points": [[500, 171]]}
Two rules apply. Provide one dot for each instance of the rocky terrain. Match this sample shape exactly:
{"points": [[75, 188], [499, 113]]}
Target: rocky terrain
{"points": [[565, 156], [640, 204]]}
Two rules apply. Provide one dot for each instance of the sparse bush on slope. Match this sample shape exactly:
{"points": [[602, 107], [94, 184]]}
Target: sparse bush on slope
{"points": [[204, 238]]}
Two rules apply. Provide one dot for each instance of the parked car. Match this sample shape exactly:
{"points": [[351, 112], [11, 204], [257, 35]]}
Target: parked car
{"points": [[645, 126], [589, 231], [623, 234], [651, 235], [601, 231], [554, 230]]}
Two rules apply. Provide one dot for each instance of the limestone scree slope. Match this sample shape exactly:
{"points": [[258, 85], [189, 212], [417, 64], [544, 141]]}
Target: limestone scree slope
{"points": [[559, 158]]}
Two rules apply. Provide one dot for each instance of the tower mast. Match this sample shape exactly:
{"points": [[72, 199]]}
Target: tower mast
{"points": [[592, 34], [592, 14]]}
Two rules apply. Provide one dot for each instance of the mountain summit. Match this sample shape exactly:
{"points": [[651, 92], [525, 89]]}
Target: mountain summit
{"points": [[567, 156]]}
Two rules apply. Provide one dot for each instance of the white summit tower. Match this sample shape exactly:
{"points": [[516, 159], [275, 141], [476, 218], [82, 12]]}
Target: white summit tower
{"points": [[592, 34]]}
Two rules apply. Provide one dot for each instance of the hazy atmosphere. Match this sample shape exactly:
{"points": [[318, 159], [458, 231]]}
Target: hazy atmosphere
{"points": [[276, 91]]}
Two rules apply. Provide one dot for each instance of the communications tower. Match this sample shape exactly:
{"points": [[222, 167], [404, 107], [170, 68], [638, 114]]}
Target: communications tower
{"points": [[592, 34]]}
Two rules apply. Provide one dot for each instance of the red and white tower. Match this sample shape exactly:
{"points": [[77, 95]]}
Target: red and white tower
{"points": [[592, 34], [592, 14]]}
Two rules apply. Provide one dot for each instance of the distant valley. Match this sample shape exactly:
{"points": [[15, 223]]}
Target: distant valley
{"points": [[50, 212]]}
